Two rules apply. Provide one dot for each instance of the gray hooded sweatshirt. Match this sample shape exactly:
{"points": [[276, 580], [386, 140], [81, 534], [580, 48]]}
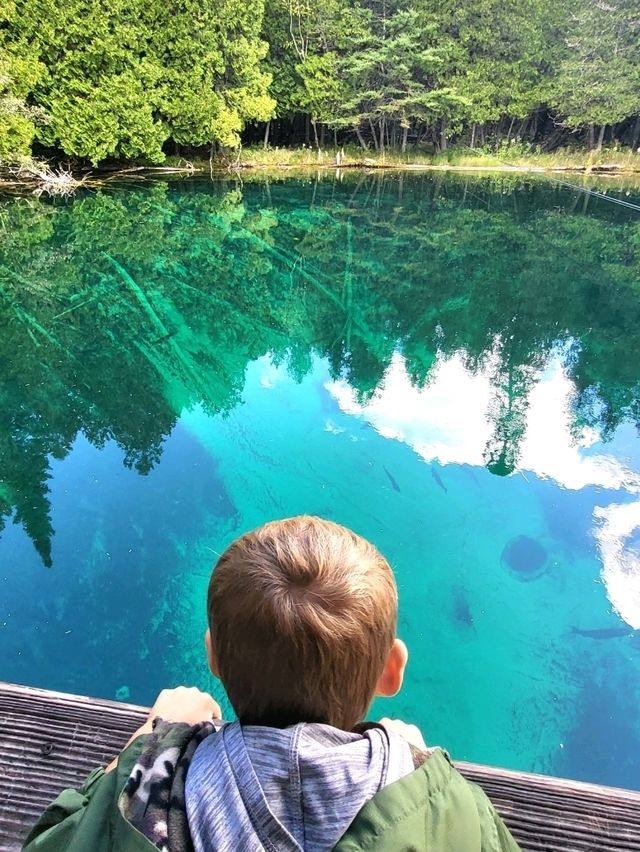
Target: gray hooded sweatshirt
{"points": [[286, 790]]}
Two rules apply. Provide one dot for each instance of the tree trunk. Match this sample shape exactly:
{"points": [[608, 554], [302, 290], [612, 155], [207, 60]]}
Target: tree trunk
{"points": [[473, 136], [405, 133], [443, 138], [603, 127], [381, 143], [335, 138], [551, 142], [363, 144], [592, 137], [394, 136], [513, 120], [267, 128], [635, 138], [315, 134], [373, 134], [520, 133], [322, 135]]}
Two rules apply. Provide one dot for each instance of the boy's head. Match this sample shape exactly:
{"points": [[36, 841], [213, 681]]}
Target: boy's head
{"points": [[302, 620]]}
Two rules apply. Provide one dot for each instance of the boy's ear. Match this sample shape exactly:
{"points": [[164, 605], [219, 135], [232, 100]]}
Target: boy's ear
{"points": [[393, 673], [211, 657]]}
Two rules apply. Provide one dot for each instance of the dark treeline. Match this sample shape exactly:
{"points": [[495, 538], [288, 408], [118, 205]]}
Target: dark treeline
{"points": [[103, 79], [121, 309]]}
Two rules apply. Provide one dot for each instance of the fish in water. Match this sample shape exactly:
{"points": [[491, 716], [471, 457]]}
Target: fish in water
{"points": [[438, 479], [392, 480], [607, 632]]}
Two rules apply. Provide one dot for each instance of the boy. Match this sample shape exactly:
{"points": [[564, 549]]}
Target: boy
{"points": [[302, 618]]}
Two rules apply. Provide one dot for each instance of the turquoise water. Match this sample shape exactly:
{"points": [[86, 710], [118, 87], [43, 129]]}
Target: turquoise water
{"points": [[449, 366]]}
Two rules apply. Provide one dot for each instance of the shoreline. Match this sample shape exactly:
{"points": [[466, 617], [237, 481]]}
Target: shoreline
{"points": [[48, 180]]}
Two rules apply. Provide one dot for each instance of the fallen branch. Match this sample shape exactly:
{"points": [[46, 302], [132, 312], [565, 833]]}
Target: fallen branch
{"points": [[59, 182]]}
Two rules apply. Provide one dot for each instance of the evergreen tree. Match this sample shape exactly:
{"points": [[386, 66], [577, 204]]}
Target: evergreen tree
{"points": [[598, 82], [121, 78]]}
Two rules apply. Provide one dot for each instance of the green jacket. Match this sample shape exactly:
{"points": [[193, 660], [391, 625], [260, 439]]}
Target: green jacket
{"points": [[434, 809]]}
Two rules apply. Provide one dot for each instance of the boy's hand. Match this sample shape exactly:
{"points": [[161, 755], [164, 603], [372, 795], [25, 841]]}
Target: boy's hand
{"points": [[182, 704], [410, 733], [185, 704]]}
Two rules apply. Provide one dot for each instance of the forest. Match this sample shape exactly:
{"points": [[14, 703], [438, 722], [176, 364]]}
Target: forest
{"points": [[99, 80]]}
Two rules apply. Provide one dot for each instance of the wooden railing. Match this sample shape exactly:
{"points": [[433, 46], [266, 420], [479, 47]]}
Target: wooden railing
{"points": [[51, 740]]}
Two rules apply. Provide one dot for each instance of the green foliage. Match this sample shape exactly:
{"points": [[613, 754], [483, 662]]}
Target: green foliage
{"points": [[501, 52], [427, 69], [113, 119], [321, 90], [121, 79], [18, 119], [16, 136], [599, 77], [105, 79], [395, 75]]}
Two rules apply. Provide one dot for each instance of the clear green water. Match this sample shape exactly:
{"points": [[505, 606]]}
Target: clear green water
{"points": [[449, 366]]}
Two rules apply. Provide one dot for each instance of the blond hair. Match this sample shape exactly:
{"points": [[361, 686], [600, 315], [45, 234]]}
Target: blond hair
{"points": [[302, 614]]}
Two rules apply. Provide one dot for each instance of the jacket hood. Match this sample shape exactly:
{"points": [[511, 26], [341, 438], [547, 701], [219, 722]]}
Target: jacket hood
{"points": [[286, 790]]}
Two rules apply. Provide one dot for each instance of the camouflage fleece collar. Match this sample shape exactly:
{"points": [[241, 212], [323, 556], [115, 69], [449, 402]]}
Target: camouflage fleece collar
{"points": [[153, 800]]}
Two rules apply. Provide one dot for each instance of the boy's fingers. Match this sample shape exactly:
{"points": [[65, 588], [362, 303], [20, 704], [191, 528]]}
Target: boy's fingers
{"points": [[185, 704]]}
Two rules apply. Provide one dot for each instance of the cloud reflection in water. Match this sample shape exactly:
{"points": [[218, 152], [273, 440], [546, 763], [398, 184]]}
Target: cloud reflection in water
{"points": [[449, 421]]}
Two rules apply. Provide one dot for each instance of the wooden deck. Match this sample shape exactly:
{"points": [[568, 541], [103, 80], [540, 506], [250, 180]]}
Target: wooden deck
{"points": [[51, 740]]}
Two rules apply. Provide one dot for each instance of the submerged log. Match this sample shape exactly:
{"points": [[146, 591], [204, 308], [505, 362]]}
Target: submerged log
{"points": [[52, 740]]}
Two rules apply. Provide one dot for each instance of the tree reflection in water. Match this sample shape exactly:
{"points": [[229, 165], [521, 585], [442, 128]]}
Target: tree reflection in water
{"points": [[121, 308]]}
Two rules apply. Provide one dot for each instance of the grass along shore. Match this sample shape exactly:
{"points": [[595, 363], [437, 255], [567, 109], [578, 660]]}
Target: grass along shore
{"points": [[506, 157]]}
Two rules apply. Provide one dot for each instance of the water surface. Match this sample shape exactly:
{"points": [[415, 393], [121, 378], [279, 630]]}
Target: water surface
{"points": [[449, 366]]}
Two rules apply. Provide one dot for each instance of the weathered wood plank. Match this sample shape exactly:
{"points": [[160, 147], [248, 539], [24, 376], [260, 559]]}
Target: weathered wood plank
{"points": [[51, 740]]}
